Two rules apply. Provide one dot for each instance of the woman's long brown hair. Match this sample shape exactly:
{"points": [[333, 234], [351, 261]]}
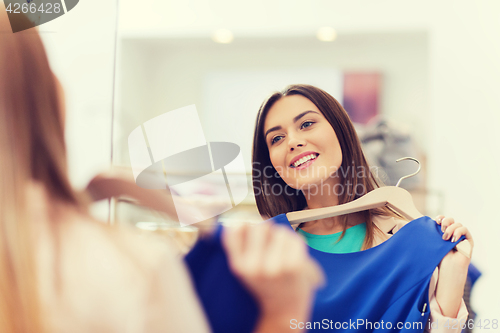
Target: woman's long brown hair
{"points": [[265, 178], [32, 148]]}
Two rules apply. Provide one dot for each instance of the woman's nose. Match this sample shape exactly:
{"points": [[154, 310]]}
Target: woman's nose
{"points": [[295, 142]]}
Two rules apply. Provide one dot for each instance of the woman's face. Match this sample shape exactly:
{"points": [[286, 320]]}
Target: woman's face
{"points": [[303, 147]]}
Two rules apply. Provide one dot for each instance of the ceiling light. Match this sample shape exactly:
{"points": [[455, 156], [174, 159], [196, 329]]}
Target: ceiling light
{"points": [[326, 34], [223, 36]]}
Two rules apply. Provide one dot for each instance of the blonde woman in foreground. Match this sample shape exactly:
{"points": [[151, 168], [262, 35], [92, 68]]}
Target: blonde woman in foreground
{"points": [[62, 271]]}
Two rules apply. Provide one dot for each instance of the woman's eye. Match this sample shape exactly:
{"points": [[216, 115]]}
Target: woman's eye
{"points": [[276, 139], [306, 124]]}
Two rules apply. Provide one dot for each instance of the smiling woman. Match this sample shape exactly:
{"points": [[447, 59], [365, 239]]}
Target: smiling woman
{"points": [[294, 124], [308, 141]]}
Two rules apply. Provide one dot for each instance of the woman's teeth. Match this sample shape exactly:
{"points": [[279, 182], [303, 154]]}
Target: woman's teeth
{"points": [[304, 160]]}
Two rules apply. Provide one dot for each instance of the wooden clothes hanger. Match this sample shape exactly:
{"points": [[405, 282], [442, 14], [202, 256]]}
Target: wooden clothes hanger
{"points": [[394, 197], [120, 184]]}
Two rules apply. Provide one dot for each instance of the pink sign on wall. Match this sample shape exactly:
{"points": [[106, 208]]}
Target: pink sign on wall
{"points": [[361, 95]]}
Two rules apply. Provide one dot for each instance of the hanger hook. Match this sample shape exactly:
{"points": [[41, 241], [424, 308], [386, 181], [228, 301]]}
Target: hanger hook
{"points": [[411, 175]]}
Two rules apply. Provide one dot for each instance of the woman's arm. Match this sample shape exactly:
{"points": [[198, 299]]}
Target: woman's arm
{"points": [[438, 322], [452, 269]]}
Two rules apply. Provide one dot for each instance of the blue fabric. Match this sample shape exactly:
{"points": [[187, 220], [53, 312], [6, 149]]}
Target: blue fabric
{"points": [[385, 285], [473, 274], [227, 303]]}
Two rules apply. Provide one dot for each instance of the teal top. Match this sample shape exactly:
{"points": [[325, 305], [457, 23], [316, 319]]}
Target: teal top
{"points": [[351, 242]]}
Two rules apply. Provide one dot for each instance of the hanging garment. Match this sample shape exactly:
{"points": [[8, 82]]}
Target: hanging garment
{"points": [[384, 288], [383, 142]]}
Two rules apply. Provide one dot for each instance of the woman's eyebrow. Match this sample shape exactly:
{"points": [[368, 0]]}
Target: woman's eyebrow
{"points": [[275, 128], [295, 119]]}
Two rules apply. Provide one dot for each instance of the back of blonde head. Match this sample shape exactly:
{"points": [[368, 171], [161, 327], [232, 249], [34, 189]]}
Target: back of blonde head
{"points": [[32, 150]]}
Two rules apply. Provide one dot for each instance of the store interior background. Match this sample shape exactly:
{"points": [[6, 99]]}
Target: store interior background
{"points": [[439, 62]]}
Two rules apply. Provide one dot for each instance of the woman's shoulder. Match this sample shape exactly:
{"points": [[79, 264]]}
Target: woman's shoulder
{"points": [[110, 277], [387, 226]]}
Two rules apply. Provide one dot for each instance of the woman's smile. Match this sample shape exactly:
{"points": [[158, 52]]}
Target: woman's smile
{"points": [[303, 160], [305, 165]]}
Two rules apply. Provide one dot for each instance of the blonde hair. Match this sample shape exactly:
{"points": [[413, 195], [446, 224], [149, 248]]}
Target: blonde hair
{"points": [[32, 148]]}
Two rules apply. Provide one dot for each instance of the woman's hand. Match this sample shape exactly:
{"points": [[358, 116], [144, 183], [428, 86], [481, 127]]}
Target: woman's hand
{"points": [[450, 228], [273, 263], [453, 231], [452, 269]]}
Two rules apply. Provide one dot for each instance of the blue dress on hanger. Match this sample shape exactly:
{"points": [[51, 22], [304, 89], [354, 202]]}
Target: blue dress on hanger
{"points": [[381, 289]]}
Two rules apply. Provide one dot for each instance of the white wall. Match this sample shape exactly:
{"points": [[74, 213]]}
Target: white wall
{"points": [[80, 45]]}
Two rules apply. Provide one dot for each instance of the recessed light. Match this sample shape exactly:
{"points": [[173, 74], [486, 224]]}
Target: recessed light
{"points": [[326, 34], [223, 36]]}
